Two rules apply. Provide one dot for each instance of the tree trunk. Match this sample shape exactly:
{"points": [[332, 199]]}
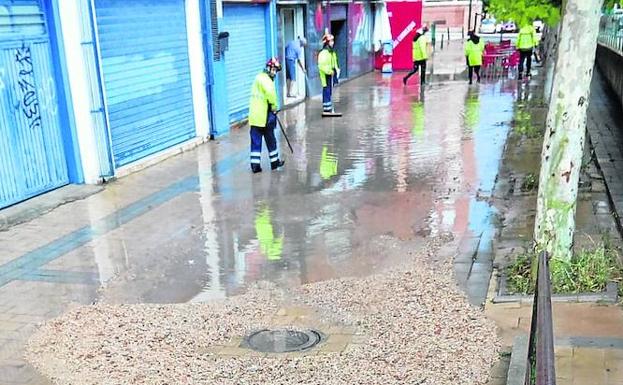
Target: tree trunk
{"points": [[561, 158], [551, 53]]}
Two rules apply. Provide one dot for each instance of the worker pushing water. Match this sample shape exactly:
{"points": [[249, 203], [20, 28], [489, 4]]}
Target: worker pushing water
{"points": [[263, 109]]}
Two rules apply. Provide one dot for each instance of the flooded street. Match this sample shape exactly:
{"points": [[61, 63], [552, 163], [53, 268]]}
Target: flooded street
{"points": [[401, 167]]}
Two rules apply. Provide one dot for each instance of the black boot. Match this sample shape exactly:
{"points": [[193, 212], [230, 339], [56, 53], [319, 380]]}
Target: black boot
{"points": [[276, 164], [256, 168]]}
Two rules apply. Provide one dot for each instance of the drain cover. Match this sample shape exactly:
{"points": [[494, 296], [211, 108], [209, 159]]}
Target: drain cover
{"points": [[283, 340]]}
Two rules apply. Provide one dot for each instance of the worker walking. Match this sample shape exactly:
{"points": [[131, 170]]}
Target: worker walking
{"points": [[329, 73], [263, 116], [527, 40], [420, 53], [474, 48]]}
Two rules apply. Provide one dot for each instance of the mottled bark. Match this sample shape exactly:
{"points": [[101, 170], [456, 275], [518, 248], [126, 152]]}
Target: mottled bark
{"points": [[550, 55], [566, 128]]}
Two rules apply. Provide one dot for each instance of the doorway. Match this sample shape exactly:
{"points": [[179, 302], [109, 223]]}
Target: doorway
{"points": [[292, 27], [339, 30]]}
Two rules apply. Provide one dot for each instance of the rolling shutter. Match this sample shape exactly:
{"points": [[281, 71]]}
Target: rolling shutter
{"points": [[246, 56], [32, 156], [144, 49]]}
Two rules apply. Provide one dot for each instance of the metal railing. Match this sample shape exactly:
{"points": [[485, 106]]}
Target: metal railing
{"points": [[611, 31], [541, 359]]}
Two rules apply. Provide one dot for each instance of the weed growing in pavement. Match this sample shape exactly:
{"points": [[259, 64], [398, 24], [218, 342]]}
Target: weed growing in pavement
{"points": [[588, 271], [518, 275], [522, 125]]}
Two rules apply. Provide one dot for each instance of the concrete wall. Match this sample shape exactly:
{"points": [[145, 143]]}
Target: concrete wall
{"points": [[454, 15], [610, 62]]}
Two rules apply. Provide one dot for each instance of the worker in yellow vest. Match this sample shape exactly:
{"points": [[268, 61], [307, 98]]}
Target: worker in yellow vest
{"points": [[474, 48], [527, 40], [420, 52], [263, 116], [329, 70]]}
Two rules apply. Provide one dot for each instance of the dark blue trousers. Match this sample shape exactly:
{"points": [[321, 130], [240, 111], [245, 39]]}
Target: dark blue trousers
{"points": [[268, 133], [327, 104]]}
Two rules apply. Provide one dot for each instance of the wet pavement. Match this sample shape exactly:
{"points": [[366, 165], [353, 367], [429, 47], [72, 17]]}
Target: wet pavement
{"points": [[606, 135], [402, 165]]}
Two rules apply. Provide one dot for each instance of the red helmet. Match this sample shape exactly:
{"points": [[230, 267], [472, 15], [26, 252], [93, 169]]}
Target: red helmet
{"points": [[273, 62], [327, 38]]}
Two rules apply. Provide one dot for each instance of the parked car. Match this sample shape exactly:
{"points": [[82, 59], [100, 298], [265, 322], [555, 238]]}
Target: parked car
{"points": [[509, 27], [537, 25], [487, 26]]}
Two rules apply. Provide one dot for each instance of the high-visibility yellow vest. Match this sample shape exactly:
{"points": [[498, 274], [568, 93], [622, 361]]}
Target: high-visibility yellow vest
{"points": [[327, 64], [420, 48], [474, 52], [263, 93], [527, 38]]}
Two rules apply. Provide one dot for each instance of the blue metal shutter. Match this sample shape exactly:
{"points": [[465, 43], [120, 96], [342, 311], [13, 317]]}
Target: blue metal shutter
{"points": [[146, 71], [246, 56], [32, 158]]}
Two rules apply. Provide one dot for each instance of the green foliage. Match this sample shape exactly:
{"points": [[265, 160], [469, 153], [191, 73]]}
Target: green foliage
{"points": [[518, 274], [522, 123], [587, 272], [523, 12], [530, 182]]}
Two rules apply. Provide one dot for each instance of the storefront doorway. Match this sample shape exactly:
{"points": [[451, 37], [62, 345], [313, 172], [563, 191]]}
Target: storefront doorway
{"points": [[292, 27]]}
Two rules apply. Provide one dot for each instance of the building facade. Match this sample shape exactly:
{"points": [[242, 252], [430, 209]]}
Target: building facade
{"points": [[453, 14], [95, 89]]}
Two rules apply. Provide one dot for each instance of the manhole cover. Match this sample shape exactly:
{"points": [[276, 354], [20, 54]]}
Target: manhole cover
{"points": [[283, 340]]}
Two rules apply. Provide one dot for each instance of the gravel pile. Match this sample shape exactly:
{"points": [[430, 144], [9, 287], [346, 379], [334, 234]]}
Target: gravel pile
{"points": [[419, 328]]}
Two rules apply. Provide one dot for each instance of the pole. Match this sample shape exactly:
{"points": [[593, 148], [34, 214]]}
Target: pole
{"points": [[284, 133], [469, 17]]}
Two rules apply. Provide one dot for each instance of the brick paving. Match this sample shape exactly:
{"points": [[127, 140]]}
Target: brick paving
{"points": [[605, 128]]}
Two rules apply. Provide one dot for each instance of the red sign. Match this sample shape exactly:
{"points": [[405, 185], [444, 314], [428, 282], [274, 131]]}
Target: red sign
{"points": [[405, 17]]}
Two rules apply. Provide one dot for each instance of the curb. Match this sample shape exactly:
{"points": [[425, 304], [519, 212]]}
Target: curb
{"points": [[609, 296], [519, 361]]}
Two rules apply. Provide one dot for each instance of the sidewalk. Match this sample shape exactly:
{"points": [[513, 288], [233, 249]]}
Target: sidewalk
{"points": [[448, 63], [358, 194], [589, 337], [605, 128]]}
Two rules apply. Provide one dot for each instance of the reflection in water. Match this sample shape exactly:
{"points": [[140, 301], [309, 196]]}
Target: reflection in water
{"points": [[377, 173], [328, 164], [418, 119], [214, 287], [381, 96], [352, 179], [270, 246], [472, 111]]}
